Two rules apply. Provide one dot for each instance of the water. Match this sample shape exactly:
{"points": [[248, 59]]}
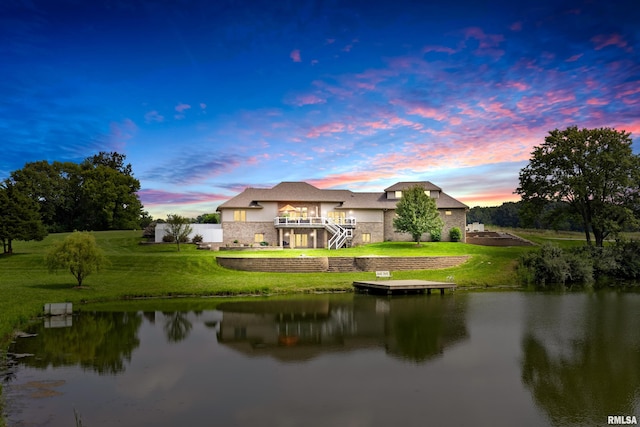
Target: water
{"points": [[462, 359]]}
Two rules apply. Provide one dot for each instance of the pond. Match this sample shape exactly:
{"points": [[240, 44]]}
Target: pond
{"points": [[461, 359]]}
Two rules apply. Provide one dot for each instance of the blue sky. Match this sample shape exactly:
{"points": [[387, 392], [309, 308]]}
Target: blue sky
{"points": [[206, 98]]}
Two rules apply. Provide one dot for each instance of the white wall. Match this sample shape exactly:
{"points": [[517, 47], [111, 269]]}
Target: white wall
{"points": [[211, 233]]}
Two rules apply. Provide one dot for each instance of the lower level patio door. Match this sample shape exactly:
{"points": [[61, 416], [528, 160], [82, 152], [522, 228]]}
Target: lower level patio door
{"points": [[301, 240]]}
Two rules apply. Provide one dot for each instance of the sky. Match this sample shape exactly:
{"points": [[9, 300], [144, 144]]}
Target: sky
{"points": [[206, 98]]}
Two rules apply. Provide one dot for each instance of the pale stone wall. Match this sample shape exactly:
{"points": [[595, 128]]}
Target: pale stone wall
{"points": [[458, 218], [244, 232], [376, 229]]}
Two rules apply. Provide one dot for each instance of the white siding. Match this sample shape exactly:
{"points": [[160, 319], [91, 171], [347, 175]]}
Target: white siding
{"points": [[211, 233]]}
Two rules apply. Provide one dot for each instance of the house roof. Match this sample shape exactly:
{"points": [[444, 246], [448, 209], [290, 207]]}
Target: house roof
{"points": [[284, 192], [399, 186], [288, 191]]}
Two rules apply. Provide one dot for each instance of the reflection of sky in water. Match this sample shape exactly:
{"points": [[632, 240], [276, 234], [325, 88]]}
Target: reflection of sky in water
{"points": [[476, 380]]}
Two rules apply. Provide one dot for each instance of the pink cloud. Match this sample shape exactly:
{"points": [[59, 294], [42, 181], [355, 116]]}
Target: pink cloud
{"points": [[488, 43], [325, 129], [439, 49], [295, 55], [516, 26], [309, 99], [603, 40], [574, 57], [596, 101]]}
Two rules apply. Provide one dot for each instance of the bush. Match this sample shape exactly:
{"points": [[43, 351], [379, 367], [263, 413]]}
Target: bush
{"points": [[184, 239], [455, 234], [436, 235], [264, 243], [197, 238], [167, 238]]}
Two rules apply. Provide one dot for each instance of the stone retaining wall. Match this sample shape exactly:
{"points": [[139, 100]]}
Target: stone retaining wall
{"points": [[324, 264], [408, 263], [276, 265]]}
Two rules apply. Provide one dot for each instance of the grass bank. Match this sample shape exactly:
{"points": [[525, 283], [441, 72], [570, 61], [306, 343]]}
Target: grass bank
{"points": [[136, 270]]}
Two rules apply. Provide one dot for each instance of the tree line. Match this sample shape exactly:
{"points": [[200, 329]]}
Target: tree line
{"points": [[99, 193]]}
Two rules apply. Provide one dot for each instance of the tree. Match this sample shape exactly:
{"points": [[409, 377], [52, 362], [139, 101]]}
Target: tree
{"points": [[416, 213], [178, 228], [592, 172], [19, 217], [98, 194], [79, 253], [209, 218]]}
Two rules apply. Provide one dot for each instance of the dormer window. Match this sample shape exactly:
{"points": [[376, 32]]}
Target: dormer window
{"points": [[398, 194]]}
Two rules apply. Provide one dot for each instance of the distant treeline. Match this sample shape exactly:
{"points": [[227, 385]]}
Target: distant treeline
{"points": [[517, 215]]}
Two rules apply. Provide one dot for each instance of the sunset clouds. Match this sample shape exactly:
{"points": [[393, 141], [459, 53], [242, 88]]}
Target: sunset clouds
{"points": [[337, 95]]}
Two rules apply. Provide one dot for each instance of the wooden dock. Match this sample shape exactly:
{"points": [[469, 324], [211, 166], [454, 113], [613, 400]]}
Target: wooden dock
{"points": [[405, 286]]}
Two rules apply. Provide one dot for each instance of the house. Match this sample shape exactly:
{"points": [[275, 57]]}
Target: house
{"points": [[297, 214]]}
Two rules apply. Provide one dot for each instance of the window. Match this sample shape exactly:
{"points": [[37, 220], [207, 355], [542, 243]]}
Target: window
{"points": [[258, 237], [337, 217], [427, 192], [366, 237], [447, 212], [398, 194], [240, 216]]}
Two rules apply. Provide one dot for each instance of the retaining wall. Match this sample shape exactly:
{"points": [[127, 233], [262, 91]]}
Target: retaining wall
{"points": [[342, 264]]}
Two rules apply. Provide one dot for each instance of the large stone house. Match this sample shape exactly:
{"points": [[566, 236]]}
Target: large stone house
{"points": [[297, 214]]}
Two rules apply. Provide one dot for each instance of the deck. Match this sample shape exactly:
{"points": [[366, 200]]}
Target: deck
{"points": [[406, 286]]}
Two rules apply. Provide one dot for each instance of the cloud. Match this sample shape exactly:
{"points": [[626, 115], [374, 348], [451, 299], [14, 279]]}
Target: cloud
{"points": [[153, 116], [152, 197], [195, 167], [180, 108], [307, 99], [603, 40], [295, 55]]}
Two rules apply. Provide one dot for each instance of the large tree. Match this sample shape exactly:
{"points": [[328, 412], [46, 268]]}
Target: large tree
{"points": [[592, 172], [416, 214], [98, 194], [19, 217]]}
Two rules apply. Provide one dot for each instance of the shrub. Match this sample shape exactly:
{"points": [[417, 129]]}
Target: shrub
{"points": [[264, 243], [184, 239], [167, 238], [455, 234], [197, 238], [436, 235]]}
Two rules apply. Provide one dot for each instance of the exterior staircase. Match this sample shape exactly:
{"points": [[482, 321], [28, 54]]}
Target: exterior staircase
{"points": [[340, 234]]}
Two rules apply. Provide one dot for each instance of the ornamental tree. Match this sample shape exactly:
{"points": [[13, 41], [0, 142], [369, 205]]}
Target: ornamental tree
{"points": [[78, 253], [416, 214], [178, 228]]}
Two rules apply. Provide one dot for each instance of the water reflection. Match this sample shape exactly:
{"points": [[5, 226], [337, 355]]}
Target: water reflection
{"points": [[581, 356], [414, 329], [100, 342]]}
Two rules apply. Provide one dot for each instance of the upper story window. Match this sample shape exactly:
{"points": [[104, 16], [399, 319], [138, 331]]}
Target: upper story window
{"points": [[398, 194], [240, 215], [427, 192]]}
